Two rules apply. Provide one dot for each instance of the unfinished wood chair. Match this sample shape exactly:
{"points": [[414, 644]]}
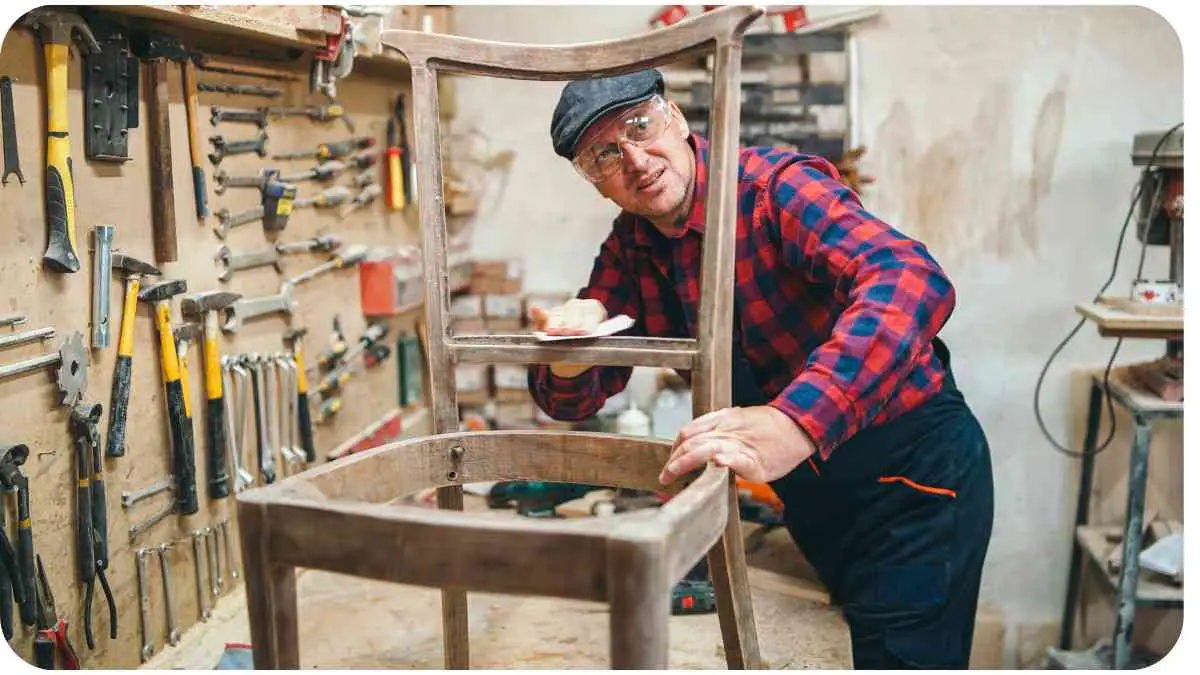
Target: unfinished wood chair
{"points": [[336, 517]]}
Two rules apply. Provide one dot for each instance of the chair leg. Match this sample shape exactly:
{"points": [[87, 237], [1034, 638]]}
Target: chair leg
{"points": [[270, 596], [456, 644], [639, 596], [727, 565]]}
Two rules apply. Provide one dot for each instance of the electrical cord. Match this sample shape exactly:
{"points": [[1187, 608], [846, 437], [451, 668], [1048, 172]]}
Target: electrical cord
{"points": [[1112, 418]]}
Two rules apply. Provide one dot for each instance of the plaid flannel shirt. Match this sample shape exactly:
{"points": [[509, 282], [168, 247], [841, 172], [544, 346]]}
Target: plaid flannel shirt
{"points": [[835, 310]]}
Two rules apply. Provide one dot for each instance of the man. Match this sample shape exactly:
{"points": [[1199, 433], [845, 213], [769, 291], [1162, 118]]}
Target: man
{"points": [[844, 399]]}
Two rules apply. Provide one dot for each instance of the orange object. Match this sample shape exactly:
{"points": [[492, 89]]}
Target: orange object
{"points": [[762, 493], [917, 486]]}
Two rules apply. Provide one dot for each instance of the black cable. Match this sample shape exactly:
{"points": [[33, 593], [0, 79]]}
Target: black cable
{"points": [[1112, 418]]}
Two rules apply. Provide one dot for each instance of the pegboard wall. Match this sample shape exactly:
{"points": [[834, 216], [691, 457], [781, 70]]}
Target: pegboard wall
{"points": [[119, 194]]}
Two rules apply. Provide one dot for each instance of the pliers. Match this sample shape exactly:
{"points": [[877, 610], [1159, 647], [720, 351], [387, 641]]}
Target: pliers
{"points": [[51, 641], [92, 526]]}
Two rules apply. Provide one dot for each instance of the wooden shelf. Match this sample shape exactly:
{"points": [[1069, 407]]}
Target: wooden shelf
{"points": [[303, 26], [1114, 320], [1150, 591], [1136, 399]]}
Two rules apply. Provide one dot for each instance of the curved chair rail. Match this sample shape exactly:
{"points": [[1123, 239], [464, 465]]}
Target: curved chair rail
{"points": [[589, 59]]}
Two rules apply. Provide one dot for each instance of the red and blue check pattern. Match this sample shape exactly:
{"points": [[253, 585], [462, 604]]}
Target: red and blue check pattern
{"points": [[836, 310]]}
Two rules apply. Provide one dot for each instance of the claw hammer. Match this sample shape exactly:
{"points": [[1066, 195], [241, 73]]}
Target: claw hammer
{"points": [[134, 270], [206, 307], [56, 28]]}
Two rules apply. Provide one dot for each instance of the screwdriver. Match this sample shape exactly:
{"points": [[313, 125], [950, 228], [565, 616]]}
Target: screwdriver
{"points": [[396, 160], [367, 196], [325, 151]]}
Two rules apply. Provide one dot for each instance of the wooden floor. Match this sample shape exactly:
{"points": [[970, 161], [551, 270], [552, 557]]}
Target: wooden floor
{"points": [[348, 622]]}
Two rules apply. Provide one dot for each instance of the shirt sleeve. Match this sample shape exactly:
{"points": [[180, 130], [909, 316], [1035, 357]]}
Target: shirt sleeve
{"points": [[582, 396], [896, 299]]}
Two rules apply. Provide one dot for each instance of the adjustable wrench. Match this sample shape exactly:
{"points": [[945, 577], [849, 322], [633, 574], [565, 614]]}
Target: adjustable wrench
{"points": [[137, 529], [223, 148], [244, 261], [227, 220], [221, 114], [223, 528], [172, 627], [128, 499], [225, 181], [201, 562], [143, 575], [249, 308]]}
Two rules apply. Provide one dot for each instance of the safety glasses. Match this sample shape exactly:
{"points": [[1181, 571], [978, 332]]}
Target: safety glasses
{"points": [[640, 125]]}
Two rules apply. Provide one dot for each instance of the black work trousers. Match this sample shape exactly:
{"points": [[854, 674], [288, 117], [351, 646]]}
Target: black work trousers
{"points": [[897, 524]]}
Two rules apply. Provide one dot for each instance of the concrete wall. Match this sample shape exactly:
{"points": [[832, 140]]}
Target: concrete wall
{"points": [[1001, 137]]}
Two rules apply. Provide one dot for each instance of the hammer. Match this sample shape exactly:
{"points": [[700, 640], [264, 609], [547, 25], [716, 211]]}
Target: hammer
{"points": [[134, 270], [12, 456], [295, 339], [206, 306], [183, 449], [56, 28]]}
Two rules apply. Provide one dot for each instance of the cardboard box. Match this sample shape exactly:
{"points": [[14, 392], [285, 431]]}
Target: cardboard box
{"points": [[471, 377], [504, 325], [467, 307], [463, 326], [514, 415], [511, 376], [495, 286], [389, 287], [497, 276], [502, 306]]}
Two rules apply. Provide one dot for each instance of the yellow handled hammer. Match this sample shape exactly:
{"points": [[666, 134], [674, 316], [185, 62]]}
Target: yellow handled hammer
{"points": [[55, 29]]}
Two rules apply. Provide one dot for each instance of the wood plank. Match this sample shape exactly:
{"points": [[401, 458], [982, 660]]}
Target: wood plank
{"points": [[270, 593], [639, 597], [1114, 319], [1150, 591], [297, 26], [606, 351], [692, 36], [695, 519]]}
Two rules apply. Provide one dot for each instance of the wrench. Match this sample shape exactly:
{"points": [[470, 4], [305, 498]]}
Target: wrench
{"points": [[234, 430], [223, 148], [172, 627], [144, 590], [244, 261], [137, 529], [201, 561], [249, 308], [271, 405], [289, 402], [128, 499], [266, 463], [221, 114], [245, 477], [223, 528], [227, 220], [225, 181], [214, 563]]}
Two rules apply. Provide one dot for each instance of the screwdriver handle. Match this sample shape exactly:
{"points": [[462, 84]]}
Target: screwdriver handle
{"points": [[6, 589], [85, 547], [395, 179], [44, 650]]}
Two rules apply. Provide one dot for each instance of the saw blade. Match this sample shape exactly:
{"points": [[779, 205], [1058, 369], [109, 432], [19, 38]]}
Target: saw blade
{"points": [[72, 370]]}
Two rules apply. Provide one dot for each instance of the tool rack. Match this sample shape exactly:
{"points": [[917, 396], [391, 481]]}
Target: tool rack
{"points": [[335, 518]]}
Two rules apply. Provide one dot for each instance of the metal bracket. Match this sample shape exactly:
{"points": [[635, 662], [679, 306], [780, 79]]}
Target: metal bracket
{"points": [[110, 93]]}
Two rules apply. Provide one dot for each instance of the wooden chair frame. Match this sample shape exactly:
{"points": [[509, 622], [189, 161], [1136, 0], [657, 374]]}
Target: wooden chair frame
{"points": [[335, 517]]}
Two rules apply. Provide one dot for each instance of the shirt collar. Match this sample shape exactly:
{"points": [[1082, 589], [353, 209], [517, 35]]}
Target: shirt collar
{"points": [[644, 232]]}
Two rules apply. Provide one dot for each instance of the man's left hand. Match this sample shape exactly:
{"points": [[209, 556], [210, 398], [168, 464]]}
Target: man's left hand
{"points": [[759, 444]]}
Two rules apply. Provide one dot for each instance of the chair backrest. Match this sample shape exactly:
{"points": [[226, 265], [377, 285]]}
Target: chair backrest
{"points": [[709, 355]]}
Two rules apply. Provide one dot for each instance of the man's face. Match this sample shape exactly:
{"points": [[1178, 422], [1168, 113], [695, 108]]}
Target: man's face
{"points": [[651, 178]]}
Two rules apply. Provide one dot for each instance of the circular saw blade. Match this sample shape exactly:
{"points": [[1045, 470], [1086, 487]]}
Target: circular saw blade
{"points": [[72, 370]]}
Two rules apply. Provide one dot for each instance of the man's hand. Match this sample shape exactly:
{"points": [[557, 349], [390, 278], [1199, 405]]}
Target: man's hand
{"points": [[575, 317], [759, 444]]}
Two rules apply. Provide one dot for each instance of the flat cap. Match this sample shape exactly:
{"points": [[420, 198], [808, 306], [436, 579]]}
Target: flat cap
{"points": [[582, 102]]}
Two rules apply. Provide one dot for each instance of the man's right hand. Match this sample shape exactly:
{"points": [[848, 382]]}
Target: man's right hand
{"points": [[575, 317]]}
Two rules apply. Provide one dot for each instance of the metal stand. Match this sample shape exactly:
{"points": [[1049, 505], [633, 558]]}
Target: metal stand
{"points": [[1145, 409]]}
